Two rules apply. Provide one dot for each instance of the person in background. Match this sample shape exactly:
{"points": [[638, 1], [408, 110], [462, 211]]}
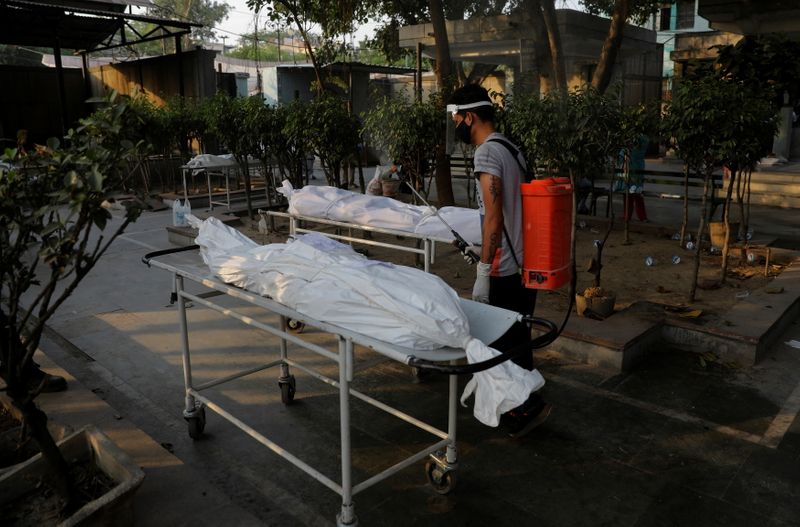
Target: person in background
{"points": [[632, 181], [498, 282]]}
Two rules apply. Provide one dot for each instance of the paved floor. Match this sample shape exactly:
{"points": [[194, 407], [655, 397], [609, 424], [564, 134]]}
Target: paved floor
{"points": [[678, 441]]}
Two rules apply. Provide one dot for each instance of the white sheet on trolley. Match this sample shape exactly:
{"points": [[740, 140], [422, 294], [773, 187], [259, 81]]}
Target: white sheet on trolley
{"points": [[328, 281], [376, 211]]}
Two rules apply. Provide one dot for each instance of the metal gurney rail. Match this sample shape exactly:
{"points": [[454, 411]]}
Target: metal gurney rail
{"points": [[428, 250], [186, 265]]}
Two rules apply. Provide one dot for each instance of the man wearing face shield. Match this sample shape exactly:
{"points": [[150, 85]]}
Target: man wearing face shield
{"points": [[499, 169]]}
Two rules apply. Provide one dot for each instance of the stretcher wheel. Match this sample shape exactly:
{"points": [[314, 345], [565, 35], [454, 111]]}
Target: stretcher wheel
{"points": [[442, 480], [287, 390], [197, 423], [295, 325]]}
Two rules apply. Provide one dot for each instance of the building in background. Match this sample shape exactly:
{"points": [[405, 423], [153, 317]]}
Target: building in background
{"points": [[686, 36], [505, 41]]}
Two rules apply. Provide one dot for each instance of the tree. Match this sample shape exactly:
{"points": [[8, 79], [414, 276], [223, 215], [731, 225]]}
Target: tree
{"points": [[714, 122], [766, 63], [209, 13], [620, 12], [231, 120], [407, 132], [333, 18], [332, 134], [291, 144], [50, 208]]}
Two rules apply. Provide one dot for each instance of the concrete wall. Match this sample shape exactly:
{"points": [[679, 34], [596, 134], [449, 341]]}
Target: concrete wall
{"points": [[285, 84], [29, 100]]}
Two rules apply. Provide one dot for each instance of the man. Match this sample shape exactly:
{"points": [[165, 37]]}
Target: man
{"points": [[499, 170]]}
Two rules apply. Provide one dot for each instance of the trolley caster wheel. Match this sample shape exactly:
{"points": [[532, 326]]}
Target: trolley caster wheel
{"points": [[197, 423], [295, 325], [441, 479], [287, 390]]}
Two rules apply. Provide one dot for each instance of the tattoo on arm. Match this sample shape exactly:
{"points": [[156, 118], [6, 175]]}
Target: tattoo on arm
{"points": [[494, 189], [494, 244]]}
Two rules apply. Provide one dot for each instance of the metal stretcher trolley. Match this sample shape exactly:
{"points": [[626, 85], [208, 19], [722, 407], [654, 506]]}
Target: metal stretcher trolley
{"points": [[487, 324]]}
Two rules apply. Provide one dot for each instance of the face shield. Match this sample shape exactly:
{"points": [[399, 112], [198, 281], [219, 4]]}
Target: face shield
{"points": [[453, 109]]}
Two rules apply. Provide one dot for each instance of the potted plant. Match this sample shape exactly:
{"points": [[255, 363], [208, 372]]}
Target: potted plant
{"points": [[51, 209]]}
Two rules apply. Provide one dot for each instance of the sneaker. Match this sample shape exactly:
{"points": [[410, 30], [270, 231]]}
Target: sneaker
{"points": [[521, 421]]}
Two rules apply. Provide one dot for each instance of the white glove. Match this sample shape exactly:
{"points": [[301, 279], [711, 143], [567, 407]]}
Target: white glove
{"points": [[480, 291], [472, 254]]}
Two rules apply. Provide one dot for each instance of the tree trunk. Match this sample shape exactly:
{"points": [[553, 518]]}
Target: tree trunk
{"points": [[444, 183], [245, 167], [36, 421], [608, 54], [307, 42], [554, 41], [685, 220], [699, 241], [16, 373], [544, 61], [726, 219]]}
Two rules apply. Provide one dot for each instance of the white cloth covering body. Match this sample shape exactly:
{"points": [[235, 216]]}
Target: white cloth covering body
{"points": [[328, 281], [377, 211]]}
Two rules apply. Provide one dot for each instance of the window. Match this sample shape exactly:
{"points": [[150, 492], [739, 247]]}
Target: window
{"points": [[685, 19], [665, 19]]}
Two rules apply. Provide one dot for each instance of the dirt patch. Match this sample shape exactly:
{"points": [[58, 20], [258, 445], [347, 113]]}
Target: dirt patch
{"points": [[624, 270]]}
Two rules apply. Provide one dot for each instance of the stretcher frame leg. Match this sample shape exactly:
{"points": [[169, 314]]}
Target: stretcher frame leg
{"points": [[347, 515], [190, 408]]}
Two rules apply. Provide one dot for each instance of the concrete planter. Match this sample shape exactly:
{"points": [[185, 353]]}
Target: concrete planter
{"points": [[113, 508], [603, 306]]}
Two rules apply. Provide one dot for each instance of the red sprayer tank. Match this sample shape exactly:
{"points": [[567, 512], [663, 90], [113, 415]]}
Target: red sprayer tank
{"points": [[547, 232]]}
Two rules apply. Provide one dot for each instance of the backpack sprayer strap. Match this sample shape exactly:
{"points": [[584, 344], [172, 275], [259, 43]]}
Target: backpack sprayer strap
{"points": [[527, 176]]}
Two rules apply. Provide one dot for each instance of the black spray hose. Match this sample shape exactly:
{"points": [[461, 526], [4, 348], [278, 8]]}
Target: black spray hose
{"points": [[465, 369], [553, 332], [149, 256]]}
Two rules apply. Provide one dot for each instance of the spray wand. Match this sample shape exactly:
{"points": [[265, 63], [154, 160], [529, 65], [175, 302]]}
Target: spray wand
{"points": [[460, 243]]}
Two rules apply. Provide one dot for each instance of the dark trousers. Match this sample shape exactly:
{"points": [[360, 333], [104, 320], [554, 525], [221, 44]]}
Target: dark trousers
{"points": [[635, 201], [509, 293]]}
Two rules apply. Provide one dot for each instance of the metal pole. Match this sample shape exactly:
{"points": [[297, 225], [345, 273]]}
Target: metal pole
{"points": [[179, 53], [347, 516], [87, 83], [62, 94], [187, 363], [418, 73], [452, 454]]}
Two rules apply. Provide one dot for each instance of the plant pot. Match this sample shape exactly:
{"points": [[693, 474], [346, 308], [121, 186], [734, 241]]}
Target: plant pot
{"points": [[87, 444], [602, 306], [716, 231], [390, 187], [57, 430]]}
